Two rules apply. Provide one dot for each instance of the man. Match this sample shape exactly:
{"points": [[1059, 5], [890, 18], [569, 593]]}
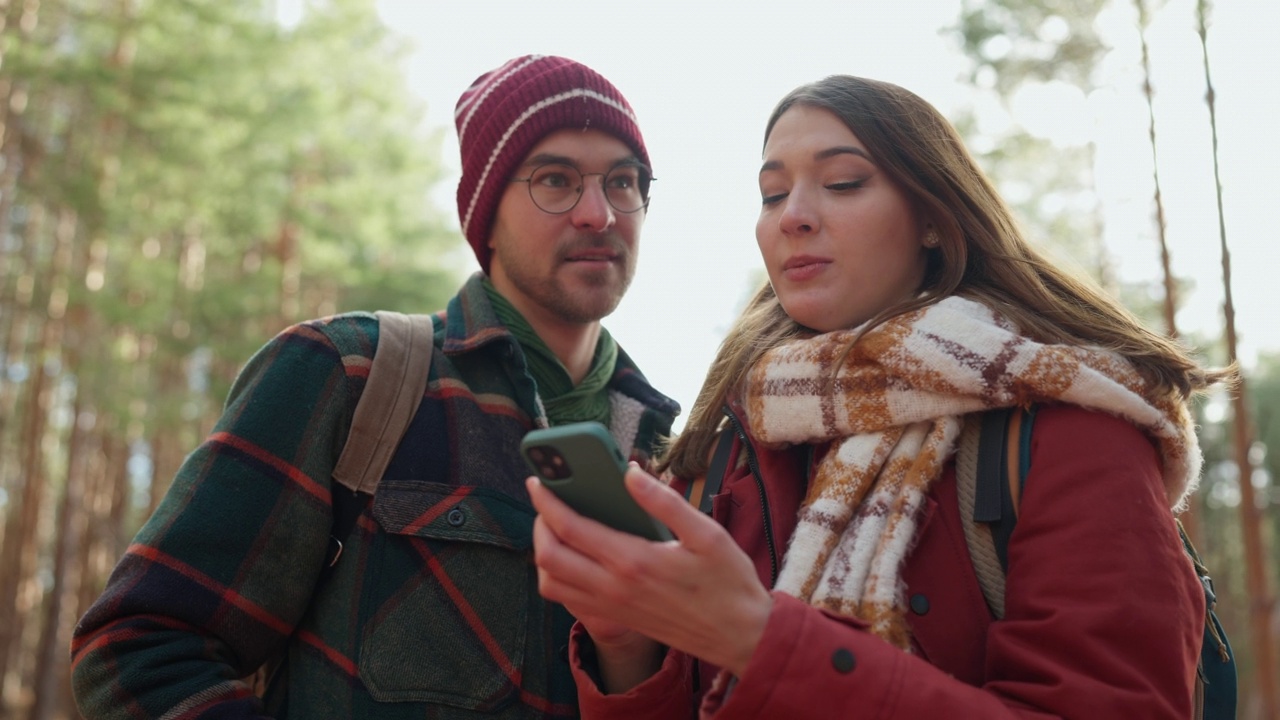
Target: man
{"points": [[432, 609]]}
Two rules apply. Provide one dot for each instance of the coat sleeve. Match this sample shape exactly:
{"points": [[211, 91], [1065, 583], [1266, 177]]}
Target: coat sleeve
{"points": [[1104, 614], [667, 695], [216, 580]]}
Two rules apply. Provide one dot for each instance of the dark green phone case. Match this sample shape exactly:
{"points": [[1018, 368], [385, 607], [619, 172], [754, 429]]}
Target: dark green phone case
{"points": [[580, 463]]}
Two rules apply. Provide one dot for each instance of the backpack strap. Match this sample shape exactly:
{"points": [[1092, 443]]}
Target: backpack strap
{"points": [[1003, 460], [391, 395], [1216, 681], [702, 490], [397, 379], [992, 458], [992, 461]]}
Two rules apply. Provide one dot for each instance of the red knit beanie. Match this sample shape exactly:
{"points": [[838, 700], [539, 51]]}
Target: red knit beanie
{"points": [[508, 110]]}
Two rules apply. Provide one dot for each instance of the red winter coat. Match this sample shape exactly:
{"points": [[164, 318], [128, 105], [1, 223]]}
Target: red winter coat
{"points": [[1104, 613]]}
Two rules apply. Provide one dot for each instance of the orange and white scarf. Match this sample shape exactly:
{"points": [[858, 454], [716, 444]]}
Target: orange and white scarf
{"points": [[894, 413]]}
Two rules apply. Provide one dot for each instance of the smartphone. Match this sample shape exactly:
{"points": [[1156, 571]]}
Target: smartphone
{"points": [[580, 463]]}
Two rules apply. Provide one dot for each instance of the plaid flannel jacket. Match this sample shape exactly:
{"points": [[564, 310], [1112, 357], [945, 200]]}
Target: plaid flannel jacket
{"points": [[433, 610]]}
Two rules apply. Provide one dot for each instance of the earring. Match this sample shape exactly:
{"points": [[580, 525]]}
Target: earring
{"points": [[931, 238]]}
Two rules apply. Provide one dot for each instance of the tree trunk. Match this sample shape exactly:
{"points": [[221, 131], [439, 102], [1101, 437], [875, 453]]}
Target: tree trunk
{"points": [[8, 148], [107, 537], [14, 328], [166, 438], [1263, 639], [16, 342], [51, 661], [1190, 518], [18, 561]]}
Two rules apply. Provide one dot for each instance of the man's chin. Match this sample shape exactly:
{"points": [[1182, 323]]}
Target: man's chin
{"points": [[593, 309]]}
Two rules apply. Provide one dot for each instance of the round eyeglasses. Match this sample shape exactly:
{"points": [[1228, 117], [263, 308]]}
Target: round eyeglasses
{"points": [[556, 188]]}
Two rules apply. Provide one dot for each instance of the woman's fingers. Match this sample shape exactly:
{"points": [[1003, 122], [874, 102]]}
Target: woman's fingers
{"points": [[695, 530], [578, 531], [624, 580], [578, 555]]}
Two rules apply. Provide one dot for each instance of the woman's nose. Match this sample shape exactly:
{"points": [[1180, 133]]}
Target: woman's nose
{"points": [[799, 216]]}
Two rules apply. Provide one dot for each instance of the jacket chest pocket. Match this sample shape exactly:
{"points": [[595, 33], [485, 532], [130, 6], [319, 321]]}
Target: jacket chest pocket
{"points": [[447, 601]]}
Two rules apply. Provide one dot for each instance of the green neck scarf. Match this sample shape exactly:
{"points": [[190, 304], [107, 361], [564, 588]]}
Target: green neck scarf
{"points": [[563, 402]]}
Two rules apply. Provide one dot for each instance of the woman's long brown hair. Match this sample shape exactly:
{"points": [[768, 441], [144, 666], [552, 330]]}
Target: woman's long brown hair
{"points": [[982, 255]]}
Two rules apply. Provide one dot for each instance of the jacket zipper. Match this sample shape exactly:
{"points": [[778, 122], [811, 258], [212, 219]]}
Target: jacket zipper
{"points": [[764, 498]]}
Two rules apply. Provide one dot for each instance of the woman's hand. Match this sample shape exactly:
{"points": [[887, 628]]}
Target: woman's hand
{"points": [[699, 594]]}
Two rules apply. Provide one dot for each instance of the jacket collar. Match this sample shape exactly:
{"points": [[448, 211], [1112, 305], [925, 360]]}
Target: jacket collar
{"points": [[470, 321], [472, 324]]}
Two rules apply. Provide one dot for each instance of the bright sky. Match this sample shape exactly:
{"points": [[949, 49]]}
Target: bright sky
{"points": [[703, 77]]}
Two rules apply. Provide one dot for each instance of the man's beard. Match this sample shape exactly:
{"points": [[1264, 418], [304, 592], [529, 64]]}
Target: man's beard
{"points": [[605, 287]]}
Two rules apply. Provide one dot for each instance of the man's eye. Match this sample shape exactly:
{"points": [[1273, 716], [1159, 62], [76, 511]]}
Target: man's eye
{"points": [[554, 178], [624, 178]]}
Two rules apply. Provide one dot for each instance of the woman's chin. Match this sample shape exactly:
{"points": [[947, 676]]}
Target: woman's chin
{"points": [[822, 316]]}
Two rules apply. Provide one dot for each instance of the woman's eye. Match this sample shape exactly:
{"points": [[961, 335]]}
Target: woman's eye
{"points": [[772, 199], [849, 185]]}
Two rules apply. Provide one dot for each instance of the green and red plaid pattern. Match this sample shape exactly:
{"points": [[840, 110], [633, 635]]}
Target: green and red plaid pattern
{"points": [[433, 610]]}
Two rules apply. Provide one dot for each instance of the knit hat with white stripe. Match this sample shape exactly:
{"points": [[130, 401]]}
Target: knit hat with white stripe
{"points": [[508, 110]]}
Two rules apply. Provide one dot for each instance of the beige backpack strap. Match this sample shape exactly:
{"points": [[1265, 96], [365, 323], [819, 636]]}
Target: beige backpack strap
{"points": [[397, 380], [982, 548]]}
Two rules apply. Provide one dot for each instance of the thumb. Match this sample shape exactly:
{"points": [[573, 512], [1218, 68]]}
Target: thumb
{"points": [[666, 505]]}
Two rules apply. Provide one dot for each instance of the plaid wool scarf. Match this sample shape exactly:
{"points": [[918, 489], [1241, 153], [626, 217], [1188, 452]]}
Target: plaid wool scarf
{"points": [[894, 413]]}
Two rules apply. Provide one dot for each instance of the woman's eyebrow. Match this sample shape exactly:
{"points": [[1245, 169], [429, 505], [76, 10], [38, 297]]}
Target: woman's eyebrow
{"points": [[842, 150], [822, 155]]}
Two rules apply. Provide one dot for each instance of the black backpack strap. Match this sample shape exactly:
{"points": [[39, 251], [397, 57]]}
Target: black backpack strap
{"points": [[993, 502], [1215, 695], [347, 509], [715, 473], [987, 507], [711, 483], [1004, 457]]}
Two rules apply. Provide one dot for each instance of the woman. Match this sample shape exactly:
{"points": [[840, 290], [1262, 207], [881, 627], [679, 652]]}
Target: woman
{"points": [[901, 297]]}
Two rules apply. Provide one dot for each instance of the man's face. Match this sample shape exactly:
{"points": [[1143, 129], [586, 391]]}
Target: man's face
{"points": [[573, 267]]}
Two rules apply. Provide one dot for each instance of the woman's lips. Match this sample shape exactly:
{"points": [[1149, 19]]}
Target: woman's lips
{"points": [[804, 267]]}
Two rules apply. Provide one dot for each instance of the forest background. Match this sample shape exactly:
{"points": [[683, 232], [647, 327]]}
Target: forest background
{"points": [[181, 179]]}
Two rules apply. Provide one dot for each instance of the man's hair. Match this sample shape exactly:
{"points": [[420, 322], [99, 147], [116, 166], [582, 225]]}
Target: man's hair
{"points": [[981, 255]]}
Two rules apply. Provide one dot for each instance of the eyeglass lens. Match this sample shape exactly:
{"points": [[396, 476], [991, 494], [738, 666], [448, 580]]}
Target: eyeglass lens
{"points": [[556, 188]]}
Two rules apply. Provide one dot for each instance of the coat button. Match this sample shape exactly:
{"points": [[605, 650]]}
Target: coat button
{"points": [[919, 604], [456, 517], [843, 661]]}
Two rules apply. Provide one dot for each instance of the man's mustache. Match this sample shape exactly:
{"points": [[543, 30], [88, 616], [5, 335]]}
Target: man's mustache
{"points": [[610, 241]]}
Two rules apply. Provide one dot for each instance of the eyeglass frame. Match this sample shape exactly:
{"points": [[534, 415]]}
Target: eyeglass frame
{"points": [[582, 187]]}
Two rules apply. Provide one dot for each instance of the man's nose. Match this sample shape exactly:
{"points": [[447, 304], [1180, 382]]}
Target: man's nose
{"points": [[593, 211]]}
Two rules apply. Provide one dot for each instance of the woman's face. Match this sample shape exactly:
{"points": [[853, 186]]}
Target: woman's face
{"points": [[840, 240]]}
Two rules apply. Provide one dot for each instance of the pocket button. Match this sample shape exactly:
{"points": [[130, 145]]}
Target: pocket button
{"points": [[456, 517]]}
